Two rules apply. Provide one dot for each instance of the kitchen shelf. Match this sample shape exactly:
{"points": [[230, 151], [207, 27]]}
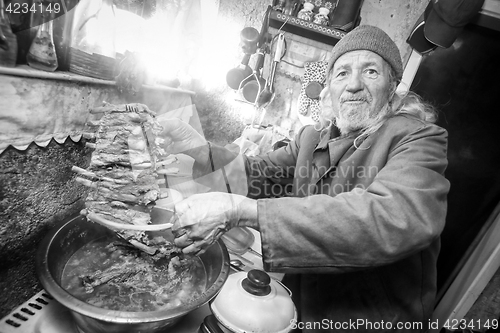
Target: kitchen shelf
{"points": [[294, 25]]}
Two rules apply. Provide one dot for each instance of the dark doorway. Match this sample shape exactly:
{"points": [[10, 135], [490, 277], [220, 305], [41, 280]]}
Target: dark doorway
{"points": [[463, 82]]}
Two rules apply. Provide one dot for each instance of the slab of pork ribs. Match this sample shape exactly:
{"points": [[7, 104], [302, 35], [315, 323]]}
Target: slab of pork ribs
{"points": [[127, 147]]}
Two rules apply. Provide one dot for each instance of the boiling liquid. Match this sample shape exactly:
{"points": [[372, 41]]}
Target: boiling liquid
{"points": [[152, 285]]}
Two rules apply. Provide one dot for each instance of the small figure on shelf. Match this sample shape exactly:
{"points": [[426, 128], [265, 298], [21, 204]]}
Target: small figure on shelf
{"points": [[322, 17], [306, 13]]}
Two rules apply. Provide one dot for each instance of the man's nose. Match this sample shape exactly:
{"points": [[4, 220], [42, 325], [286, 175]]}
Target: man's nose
{"points": [[355, 83]]}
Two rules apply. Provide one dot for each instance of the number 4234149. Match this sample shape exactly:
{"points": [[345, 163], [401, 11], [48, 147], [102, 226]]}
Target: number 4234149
{"points": [[24, 8], [454, 324]]}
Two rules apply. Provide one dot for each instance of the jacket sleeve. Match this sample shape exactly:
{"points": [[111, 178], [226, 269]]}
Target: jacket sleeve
{"points": [[266, 176], [401, 212], [271, 175]]}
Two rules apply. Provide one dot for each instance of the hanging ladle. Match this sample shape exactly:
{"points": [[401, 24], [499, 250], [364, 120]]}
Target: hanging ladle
{"points": [[267, 94]]}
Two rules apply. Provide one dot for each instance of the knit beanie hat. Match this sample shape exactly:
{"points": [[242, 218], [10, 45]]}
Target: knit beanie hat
{"points": [[367, 37]]}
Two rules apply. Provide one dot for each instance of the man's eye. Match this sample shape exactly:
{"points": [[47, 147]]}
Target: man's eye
{"points": [[371, 72]]}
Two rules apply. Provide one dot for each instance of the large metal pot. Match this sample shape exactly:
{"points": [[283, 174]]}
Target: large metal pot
{"points": [[65, 239]]}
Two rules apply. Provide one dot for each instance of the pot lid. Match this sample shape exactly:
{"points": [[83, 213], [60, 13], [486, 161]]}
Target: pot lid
{"points": [[254, 303]]}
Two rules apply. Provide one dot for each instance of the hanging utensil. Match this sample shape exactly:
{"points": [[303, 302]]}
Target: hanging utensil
{"points": [[249, 38], [250, 41], [266, 96], [236, 75], [253, 85]]}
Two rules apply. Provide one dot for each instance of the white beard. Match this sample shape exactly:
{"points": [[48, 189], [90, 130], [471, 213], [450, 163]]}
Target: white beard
{"points": [[352, 119]]}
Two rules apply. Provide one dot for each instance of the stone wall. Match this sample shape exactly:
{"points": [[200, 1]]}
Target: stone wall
{"points": [[37, 189]]}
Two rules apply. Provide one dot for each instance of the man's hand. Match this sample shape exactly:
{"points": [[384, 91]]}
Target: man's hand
{"points": [[180, 137], [202, 218]]}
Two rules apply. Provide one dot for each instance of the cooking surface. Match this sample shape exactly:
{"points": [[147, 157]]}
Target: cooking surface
{"points": [[43, 314]]}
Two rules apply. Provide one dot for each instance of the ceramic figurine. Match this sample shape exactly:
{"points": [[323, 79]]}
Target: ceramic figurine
{"points": [[322, 17], [306, 13]]}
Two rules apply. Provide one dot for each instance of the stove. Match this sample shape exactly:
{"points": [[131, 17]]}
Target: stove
{"points": [[43, 314]]}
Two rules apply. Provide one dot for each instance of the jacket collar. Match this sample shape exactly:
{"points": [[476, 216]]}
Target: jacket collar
{"points": [[324, 160], [333, 136]]}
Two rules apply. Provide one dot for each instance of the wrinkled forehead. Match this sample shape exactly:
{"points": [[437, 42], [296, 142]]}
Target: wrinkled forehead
{"points": [[362, 58], [359, 57]]}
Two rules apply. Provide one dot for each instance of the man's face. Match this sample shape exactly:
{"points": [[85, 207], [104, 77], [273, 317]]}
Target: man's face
{"points": [[359, 87]]}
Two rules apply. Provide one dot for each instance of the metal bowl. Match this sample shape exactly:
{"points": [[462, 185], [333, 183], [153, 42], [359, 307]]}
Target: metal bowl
{"points": [[65, 239]]}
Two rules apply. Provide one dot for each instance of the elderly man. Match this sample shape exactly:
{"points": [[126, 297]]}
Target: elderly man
{"points": [[351, 210]]}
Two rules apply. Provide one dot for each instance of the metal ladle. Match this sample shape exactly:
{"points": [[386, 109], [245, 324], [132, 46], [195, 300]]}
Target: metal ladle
{"points": [[267, 94]]}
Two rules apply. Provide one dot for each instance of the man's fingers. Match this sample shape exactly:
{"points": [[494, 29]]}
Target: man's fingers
{"points": [[183, 241], [179, 232], [179, 220], [174, 220], [196, 248], [168, 123], [177, 228], [167, 141]]}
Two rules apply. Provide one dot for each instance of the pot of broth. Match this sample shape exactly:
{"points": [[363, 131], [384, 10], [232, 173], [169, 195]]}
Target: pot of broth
{"points": [[111, 287]]}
